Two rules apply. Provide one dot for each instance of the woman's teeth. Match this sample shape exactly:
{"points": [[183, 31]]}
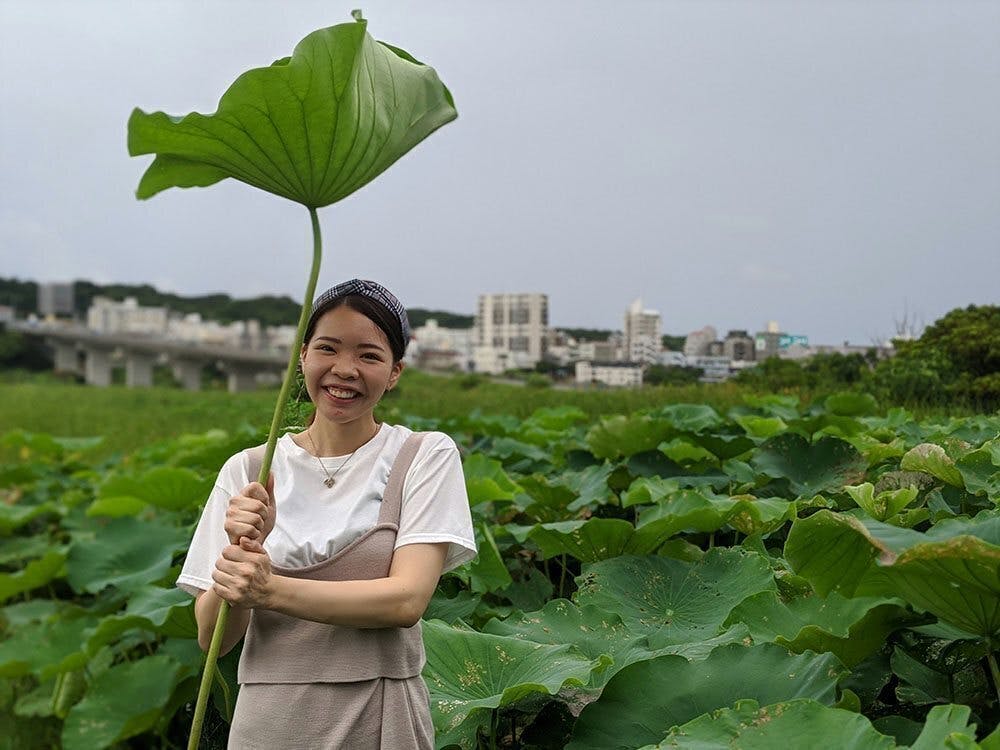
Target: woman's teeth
{"points": [[338, 393]]}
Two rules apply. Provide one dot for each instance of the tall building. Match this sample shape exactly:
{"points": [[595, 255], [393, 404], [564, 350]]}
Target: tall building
{"points": [[108, 316], [738, 346], [698, 343], [643, 333], [510, 331], [55, 299]]}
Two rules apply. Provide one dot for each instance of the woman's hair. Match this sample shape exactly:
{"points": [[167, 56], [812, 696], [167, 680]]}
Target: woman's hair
{"points": [[375, 311]]}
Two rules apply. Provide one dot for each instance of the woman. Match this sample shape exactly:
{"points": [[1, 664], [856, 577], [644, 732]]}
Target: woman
{"points": [[329, 568]]}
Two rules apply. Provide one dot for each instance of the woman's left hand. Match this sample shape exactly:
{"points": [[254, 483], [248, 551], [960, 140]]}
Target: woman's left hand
{"points": [[243, 574]]}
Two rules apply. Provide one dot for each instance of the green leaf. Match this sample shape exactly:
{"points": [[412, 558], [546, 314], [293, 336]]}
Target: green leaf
{"points": [[450, 609], [165, 487], [886, 504], [468, 673], [485, 480], [618, 436], [792, 724], [312, 128], [851, 629], [761, 427], [13, 517], [127, 553], [487, 571], [957, 580], [980, 470], [36, 573], [672, 601], [691, 417], [827, 464], [598, 633], [588, 541], [643, 701], [45, 650], [948, 727], [851, 404], [124, 701], [836, 551], [931, 459], [166, 611], [951, 574]]}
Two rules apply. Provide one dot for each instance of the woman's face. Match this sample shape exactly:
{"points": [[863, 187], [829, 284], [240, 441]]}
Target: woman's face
{"points": [[347, 365]]}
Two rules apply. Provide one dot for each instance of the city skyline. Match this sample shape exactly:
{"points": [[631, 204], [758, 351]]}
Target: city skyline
{"points": [[823, 165]]}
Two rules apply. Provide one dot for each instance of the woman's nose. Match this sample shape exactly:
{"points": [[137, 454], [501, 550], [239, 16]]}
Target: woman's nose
{"points": [[344, 367]]}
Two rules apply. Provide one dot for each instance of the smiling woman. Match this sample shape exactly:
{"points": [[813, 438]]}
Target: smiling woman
{"points": [[329, 568]]}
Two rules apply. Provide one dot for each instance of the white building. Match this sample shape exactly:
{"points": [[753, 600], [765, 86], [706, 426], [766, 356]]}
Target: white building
{"points": [[55, 299], [618, 374], [699, 342], [108, 316], [643, 334], [510, 331], [715, 369], [436, 348]]}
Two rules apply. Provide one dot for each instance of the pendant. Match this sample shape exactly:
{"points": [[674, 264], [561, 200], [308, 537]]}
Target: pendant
{"points": [[328, 481]]}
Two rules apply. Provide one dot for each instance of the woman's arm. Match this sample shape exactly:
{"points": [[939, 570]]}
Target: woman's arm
{"points": [[206, 610], [244, 579]]}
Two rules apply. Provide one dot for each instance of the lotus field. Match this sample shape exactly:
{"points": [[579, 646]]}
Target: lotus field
{"points": [[780, 576]]}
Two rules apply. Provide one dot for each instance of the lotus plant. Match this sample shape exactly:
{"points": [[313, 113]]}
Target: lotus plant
{"points": [[312, 128]]}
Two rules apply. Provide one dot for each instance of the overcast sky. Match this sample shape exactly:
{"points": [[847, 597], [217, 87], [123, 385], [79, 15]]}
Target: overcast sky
{"points": [[828, 165]]}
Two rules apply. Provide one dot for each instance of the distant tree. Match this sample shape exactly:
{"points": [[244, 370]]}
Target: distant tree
{"points": [[836, 370], [588, 334], [21, 295], [958, 356], [671, 375], [419, 316], [673, 343], [774, 373]]}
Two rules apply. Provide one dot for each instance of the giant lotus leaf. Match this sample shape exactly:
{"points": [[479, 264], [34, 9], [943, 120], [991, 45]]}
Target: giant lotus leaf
{"points": [[313, 127]]}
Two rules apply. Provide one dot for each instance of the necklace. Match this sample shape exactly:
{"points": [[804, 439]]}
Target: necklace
{"points": [[329, 481]]}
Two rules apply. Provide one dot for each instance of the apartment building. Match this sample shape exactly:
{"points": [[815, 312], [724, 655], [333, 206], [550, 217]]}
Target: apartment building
{"points": [[510, 331], [643, 333]]}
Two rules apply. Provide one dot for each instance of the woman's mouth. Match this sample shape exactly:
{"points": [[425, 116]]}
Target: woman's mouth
{"points": [[341, 393]]}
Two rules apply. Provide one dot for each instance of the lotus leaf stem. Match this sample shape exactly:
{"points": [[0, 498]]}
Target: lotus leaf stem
{"points": [[991, 659], [212, 657]]}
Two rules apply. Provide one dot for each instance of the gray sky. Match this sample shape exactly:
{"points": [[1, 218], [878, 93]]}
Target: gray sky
{"points": [[828, 165]]}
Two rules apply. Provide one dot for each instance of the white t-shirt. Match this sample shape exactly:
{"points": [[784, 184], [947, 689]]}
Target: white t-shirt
{"points": [[313, 522]]}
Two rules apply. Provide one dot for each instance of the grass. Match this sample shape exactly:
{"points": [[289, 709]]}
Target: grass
{"points": [[132, 417]]}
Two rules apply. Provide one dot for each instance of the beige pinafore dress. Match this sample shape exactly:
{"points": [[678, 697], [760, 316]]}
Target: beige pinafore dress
{"points": [[315, 686]]}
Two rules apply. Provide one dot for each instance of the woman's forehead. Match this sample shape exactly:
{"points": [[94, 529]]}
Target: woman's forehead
{"points": [[347, 324]]}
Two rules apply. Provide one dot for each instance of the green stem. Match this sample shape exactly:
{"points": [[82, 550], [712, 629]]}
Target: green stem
{"points": [[992, 660], [562, 576], [265, 469]]}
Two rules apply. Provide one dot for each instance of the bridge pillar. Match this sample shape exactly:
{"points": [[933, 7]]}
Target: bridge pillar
{"points": [[138, 370], [188, 373], [66, 359], [98, 368], [240, 379]]}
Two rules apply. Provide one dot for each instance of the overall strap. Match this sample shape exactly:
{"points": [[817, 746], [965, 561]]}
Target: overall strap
{"points": [[392, 498]]}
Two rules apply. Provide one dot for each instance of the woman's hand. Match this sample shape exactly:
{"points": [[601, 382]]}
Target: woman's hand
{"points": [[251, 513], [243, 574]]}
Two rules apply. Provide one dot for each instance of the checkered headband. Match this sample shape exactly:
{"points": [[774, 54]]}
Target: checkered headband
{"points": [[365, 288]]}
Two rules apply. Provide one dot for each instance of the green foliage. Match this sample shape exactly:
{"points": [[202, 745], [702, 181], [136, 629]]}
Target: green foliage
{"points": [[671, 375], [313, 127], [957, 357], [668, 571]]}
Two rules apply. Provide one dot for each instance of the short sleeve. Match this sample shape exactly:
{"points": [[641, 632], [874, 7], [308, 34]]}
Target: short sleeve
{"points": [[210, 535], [435, 504]]}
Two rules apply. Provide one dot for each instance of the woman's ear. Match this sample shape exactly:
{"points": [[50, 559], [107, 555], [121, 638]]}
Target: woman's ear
{"points": [[397, 370]]}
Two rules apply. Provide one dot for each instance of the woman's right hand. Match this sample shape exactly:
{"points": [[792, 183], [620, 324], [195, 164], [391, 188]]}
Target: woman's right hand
{"points": [[251, 513]]}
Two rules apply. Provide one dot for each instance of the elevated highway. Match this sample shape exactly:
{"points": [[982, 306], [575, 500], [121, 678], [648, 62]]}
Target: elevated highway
{"points": [[94, 355]]}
